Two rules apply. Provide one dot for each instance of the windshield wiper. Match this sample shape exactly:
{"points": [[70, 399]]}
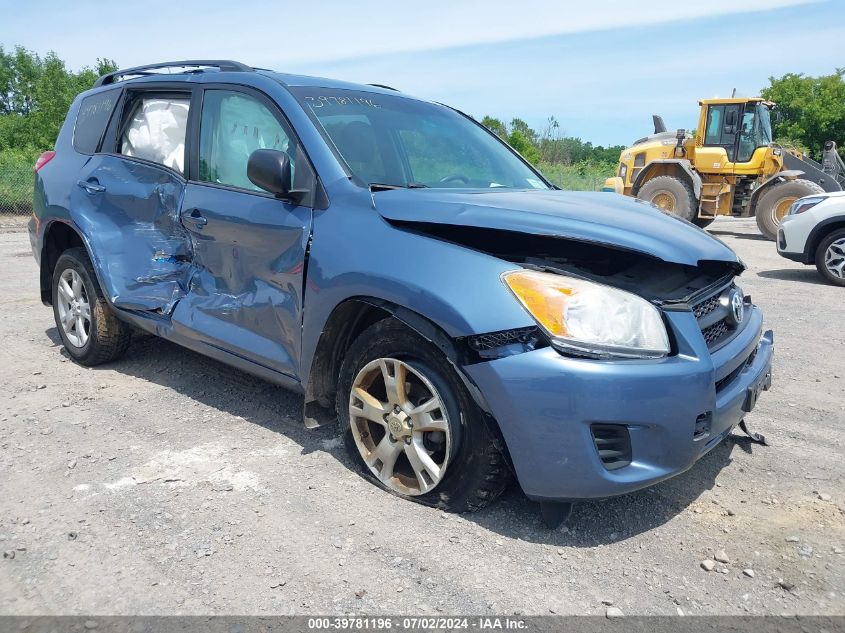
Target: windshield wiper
{"points": [[377, 186]]}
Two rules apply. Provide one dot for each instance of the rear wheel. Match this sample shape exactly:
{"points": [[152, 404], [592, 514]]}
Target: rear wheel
{"points": [[90, 331], [410, 424], [830, 258], [775, 203], [671, 195]]}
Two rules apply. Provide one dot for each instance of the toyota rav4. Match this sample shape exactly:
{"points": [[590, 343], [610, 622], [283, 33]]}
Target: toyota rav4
{"points": [[406, 271]]}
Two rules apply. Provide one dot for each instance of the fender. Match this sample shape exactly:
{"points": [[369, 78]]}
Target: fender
{"points": [[316, 414], [45, 263], [818, 234], [683, 164], [781, 176]]}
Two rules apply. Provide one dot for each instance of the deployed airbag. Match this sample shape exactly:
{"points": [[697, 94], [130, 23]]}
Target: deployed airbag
{"points": [[157, 132]]}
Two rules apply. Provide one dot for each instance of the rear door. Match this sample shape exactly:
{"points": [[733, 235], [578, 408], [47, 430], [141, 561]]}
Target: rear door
{"points": [[126, 200], [248, 246]]}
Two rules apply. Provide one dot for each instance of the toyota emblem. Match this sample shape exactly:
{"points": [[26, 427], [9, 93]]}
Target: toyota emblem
{"points": [[735, 304]]}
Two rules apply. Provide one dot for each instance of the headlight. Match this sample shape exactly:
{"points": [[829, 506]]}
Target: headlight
{"points": [[588, 318], [803, 204]]}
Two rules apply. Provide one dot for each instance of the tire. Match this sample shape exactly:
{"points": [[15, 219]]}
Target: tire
{"points": [[776, 201], [474, 471], [830, 258], [99, 338], [671, 195]]}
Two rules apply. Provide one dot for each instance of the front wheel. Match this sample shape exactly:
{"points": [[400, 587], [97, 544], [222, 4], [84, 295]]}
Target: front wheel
{"points": [[670, 195], [90, 331], [410, 424], [775, 203], [830, 258]]}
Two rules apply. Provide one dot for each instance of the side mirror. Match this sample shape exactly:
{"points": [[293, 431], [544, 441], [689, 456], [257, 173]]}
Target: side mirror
{"points": [[270, 169]]}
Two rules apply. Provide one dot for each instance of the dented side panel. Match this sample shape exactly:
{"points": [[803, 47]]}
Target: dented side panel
{"points": [[129, 213], [246, 288]]}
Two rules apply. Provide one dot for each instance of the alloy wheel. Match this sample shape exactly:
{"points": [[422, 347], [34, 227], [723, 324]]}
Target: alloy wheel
{"points": [[834, 258], [74, 308], [400, 426]]}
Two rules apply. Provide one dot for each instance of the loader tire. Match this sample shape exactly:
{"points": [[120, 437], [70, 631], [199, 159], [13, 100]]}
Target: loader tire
{"points": [[671, 195], [775, 203]]}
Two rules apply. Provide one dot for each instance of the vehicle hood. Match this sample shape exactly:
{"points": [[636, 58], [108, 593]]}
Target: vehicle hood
{"points": [[828, 194], [603, 218]]}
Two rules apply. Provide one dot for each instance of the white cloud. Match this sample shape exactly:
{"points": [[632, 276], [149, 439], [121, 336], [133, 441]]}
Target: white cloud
{"points": [[267, 31]]}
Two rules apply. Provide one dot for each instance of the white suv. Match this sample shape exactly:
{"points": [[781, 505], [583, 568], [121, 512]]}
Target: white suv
{"points": [[813, 232]]}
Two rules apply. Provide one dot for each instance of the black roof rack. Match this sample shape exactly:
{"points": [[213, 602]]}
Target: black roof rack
{"points": [[385, 87], [220, 64]]}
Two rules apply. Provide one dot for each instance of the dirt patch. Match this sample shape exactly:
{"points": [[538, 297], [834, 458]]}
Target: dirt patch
{"points": [[194, 488]]}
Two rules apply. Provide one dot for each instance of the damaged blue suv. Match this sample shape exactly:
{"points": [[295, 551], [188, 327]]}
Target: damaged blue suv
{"points": [[403, 268]]}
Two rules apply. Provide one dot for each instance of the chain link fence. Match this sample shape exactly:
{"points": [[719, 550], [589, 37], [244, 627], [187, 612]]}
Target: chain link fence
{"points": [[16, 183]]}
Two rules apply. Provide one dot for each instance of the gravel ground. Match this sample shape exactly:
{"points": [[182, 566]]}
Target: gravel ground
{"points": [[168, 483]]}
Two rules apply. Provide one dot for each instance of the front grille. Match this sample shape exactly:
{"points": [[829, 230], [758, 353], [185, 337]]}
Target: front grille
{"points": [[715, 332], [706, 307], [712, 314], [721, 384], [613, 443]]}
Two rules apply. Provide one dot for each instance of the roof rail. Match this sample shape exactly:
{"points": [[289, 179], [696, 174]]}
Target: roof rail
{"points": [[385, 87], [220, 64]]}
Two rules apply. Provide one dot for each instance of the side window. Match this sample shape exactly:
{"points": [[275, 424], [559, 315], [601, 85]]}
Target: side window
{"points": [[92, 118], [713, 133], [155, 130], [233, 126]]}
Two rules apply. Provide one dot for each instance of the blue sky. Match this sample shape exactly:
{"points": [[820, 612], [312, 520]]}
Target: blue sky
{"points": [[600, 67]]}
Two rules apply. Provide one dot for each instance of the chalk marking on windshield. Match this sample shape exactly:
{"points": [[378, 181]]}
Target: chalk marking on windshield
{"points": [[321, 101]]}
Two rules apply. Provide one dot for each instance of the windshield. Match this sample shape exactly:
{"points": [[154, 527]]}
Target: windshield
{"points": [[395, 141], [756, 131]]}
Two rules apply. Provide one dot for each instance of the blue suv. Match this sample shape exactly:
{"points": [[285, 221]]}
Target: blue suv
{"points": [[406, 271]]}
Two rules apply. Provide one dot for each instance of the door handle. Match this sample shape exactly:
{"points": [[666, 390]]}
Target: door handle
{"points": [[196, 218], [91, 186]]}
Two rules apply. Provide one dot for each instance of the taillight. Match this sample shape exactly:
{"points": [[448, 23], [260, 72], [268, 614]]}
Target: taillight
{"points": [[45, 158]]}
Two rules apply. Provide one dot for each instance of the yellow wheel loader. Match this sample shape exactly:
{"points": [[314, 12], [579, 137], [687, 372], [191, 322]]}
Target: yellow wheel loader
{"points": [[730, 166]]}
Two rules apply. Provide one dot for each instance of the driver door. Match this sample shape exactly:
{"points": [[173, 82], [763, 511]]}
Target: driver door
{"points": [[723, 126]]}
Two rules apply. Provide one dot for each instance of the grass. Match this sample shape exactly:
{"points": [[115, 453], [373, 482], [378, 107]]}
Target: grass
{"points": [[16, 179], [583, 176], [16, 182]]}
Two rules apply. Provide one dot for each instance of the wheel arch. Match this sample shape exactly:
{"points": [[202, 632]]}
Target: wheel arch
{"points": [[766, 185], [678, 168], [819, 232], [351, 317], [59, 236]]}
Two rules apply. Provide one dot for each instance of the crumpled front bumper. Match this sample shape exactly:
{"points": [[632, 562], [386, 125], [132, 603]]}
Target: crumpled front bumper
{"points": [[545, 405]]}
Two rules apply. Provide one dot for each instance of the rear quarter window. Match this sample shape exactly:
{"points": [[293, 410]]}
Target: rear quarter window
{"points": [[91, 120]]}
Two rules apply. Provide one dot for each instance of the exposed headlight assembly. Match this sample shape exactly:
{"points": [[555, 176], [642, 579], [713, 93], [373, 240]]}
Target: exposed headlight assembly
{"points": [[590, 319]]}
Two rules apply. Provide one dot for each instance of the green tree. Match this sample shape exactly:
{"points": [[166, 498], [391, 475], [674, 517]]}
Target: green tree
{"points": [[35, 94], [810, 110], [496, 126]]}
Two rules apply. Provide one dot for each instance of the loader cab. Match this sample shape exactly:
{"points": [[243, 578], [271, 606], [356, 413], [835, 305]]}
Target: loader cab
{"points": [[737, 126]]}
